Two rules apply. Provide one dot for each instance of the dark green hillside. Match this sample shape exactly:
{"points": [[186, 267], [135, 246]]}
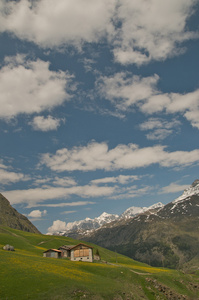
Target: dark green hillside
{"points": [[25, 274], [11, 218], [168, 237], [166, 243]]}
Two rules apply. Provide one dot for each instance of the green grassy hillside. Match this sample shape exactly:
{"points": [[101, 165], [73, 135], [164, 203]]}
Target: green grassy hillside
{"points": [[25, 274]]}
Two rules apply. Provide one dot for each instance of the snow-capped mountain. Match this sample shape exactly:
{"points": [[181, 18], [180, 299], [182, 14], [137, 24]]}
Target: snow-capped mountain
{"points": [[185, 205], [88, 225], [192, 190], [134, 211], [166, 236]]}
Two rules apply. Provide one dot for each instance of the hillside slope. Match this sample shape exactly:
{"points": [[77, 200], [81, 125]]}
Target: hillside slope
{"points": [[12, 218], [25, 274], [167, 237]]}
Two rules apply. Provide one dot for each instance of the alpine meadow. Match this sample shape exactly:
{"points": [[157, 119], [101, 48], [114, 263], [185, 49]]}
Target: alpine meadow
{"points": [[99, 156]]}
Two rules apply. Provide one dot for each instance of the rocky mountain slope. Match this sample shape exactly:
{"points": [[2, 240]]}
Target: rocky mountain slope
{"points": [[74, 229], [167, 236], [11, 218], [84, 227]]}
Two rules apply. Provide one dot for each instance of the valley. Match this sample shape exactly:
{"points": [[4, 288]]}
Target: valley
{"points": [[25, 274]]}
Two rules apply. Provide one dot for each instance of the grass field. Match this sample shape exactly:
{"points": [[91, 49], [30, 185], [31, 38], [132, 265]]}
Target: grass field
{"points": [[26, 274]]}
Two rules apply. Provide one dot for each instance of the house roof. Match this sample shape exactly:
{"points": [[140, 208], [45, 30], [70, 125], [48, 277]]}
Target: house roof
{"points": [[54, 250], [83, 245], [66, 247]]}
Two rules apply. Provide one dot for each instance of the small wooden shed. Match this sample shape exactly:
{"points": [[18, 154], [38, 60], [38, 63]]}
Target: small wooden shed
{"points": [[52, 253], [65, 249]]}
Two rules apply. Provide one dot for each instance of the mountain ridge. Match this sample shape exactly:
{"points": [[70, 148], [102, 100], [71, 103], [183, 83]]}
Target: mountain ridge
{"points": [[77, 228], [10, 217], [167, 236]]}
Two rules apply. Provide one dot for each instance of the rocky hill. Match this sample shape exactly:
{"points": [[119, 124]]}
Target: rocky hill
{"points": [[167, 236], [11, 218]]}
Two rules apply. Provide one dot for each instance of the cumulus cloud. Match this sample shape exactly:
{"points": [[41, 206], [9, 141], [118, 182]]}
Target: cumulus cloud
{"points": [[36, 214], [158, 128], [173, 188], [98, 156], [41, 123], [125, 92], [7, 176], [138, 31], [28, 86], [186, 104], [50, 23], [193, 117], [57, 226], [151, 30]]}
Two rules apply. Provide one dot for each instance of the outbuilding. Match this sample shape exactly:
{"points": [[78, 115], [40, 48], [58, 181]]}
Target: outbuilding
{"points": [[52, 253], [66, 250]]}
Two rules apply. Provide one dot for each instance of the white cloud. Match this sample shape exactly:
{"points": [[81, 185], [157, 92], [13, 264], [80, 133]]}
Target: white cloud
{"points": [[138, 31], [97, 156], [55, 181], [39, 195], [151, 30], [173, 188], [51, 23], [41, 123], [159, 134], [36, 214], [159, 128], [64, 181], [132, 192], [183, 102], [65, 204], [125, 91], [122, 179], [67, 212], [57, 226], [30, 86], [155, 103], [193, 117], [8, 177]]}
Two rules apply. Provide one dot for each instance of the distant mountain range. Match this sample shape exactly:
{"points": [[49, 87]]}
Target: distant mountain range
{"points": [[165, 236], [12, 218], [88, 225]]}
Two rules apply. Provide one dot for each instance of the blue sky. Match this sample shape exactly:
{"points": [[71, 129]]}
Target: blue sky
{"points": [[99, 105]]}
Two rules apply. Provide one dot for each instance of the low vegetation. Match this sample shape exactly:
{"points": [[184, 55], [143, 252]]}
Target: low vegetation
{"points": [[26, 274]]}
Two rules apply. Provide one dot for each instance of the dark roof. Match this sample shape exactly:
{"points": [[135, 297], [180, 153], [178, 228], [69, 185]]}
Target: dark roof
{"points": [[66, 247], [54, 250]]}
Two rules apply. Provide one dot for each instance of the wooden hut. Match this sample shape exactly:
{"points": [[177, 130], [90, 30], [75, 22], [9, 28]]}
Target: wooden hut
{"points": [[66, 250], [52, 253]]}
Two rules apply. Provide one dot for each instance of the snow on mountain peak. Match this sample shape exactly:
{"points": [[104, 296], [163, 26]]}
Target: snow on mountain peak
{"points": [[192, 190], [134, 211], [106, 218]]}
